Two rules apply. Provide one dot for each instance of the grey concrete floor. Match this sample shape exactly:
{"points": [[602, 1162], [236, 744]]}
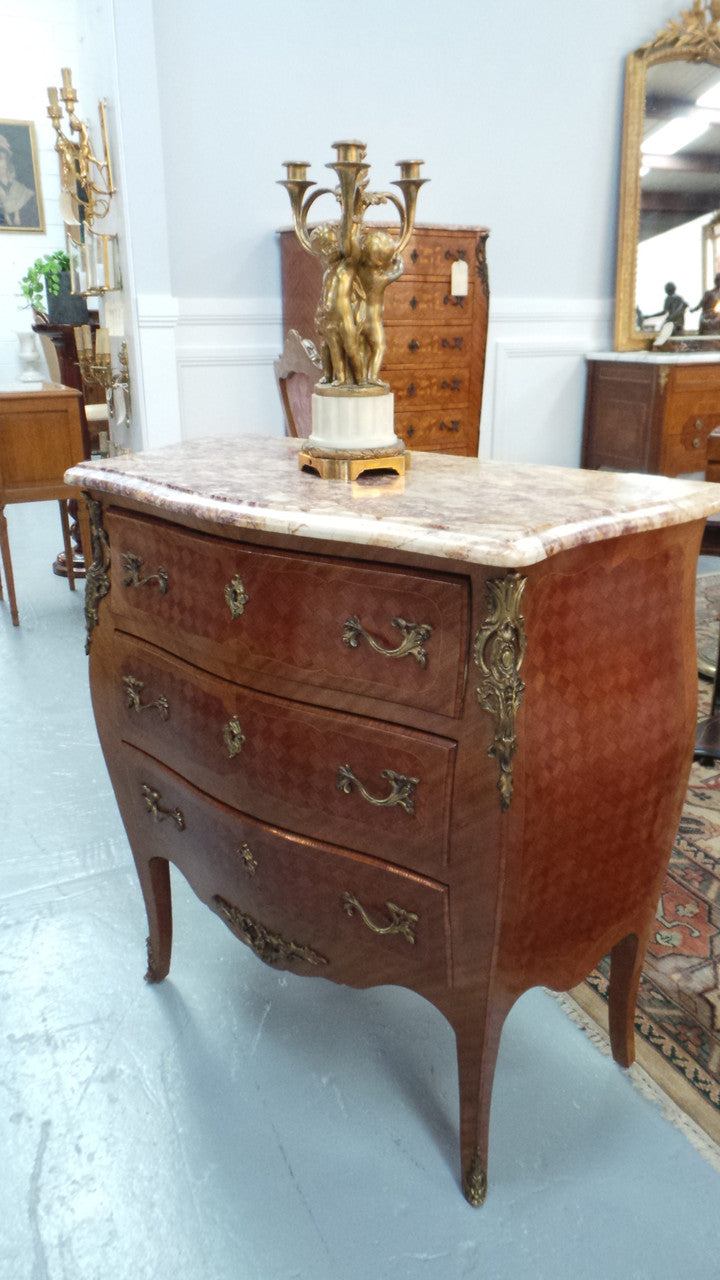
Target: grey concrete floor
{"points": [[235, 1123]]}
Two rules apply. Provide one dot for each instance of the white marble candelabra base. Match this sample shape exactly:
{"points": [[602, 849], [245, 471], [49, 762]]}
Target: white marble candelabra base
{"points": [[353, 421]]}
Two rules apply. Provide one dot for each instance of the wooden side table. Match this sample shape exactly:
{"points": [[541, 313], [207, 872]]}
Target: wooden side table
{"points": [[42, 433], [648, 411]]}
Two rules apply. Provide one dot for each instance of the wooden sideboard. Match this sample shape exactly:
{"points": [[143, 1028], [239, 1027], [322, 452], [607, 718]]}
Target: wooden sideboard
{"points": [[650, 412], [389, 733], [435, 359], [42, 432]]}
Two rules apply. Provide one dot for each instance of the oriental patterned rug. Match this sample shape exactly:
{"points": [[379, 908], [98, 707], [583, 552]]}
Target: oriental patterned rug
{"points": [[677, 1022]]}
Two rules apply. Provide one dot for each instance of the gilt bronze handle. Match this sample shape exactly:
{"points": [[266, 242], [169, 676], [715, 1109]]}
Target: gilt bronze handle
{"points": [[402, 789], [414, 634], [133, 698], [132, 565], [236, 596], [233, 737], [152, 800], [401, 921]]}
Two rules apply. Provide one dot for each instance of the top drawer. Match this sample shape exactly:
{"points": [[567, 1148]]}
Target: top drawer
{"points": [[394, 634]]}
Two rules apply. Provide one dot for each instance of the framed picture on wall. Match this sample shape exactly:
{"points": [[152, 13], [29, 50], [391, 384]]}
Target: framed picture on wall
{"points": [[21, 206]]}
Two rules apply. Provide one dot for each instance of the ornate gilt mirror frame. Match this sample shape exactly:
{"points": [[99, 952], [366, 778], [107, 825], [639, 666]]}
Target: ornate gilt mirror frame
{"points": [[694, 37]]}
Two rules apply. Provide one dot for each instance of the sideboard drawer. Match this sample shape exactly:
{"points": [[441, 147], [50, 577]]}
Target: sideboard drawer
{"points": [[427, 345], [346, 779], [425, 300], [446, 389], [370, 630], [436, 429], [302, 905]]}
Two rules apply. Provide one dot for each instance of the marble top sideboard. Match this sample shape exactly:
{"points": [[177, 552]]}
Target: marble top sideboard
{"points": [[455, 508]]}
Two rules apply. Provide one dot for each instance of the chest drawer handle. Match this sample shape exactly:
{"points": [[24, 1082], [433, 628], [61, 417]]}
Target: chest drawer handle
{"points": [[152, 800], [133, 698], [132, 565], [269, 947], [402, 789], [233, 737], [414, 635], [236, 596], [401, 921]]}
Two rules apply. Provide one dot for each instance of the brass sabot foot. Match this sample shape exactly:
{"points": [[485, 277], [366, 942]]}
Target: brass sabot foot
{"points": [[475, 1183]]}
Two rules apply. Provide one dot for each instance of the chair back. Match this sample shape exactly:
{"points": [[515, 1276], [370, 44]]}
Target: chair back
{"points": [[297, 370]]}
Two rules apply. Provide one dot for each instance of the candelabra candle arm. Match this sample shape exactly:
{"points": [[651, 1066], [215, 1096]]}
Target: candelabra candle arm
{"points": [[301, 213]]}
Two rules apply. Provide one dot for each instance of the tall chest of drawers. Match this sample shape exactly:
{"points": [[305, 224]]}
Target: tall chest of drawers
{"points": [[389, 733], [436, 338]]}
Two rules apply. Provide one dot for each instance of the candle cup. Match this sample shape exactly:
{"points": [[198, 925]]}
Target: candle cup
{"points": [[349, 152], [297, 170], [409, 169]]}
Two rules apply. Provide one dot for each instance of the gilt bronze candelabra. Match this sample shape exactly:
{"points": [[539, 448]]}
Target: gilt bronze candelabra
{"points": [[359, 261]]}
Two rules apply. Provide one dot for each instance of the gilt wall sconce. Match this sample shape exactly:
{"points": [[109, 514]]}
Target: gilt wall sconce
{"points": [[96, 367]]}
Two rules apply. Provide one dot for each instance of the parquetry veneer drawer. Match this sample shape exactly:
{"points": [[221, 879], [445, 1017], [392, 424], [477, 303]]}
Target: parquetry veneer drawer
{"points": [[436, 429], [363, 922], [287, 762], [295, 616], [448, 388], [430, 345], [423, 300]]}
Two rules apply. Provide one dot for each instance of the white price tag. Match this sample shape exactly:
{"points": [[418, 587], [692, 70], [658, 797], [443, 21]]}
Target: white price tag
{"points": [[459, 279]]}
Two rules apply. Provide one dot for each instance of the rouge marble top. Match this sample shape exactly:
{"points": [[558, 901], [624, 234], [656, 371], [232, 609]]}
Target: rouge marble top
{"points": [[505, 514]]}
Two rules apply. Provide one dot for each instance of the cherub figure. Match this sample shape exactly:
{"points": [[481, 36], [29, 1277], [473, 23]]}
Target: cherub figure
{"points": [[379, 265], [336, 317]]}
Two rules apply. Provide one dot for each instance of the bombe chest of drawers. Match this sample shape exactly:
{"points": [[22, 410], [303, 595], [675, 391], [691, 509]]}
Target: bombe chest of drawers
{"points": [[433, 731]]}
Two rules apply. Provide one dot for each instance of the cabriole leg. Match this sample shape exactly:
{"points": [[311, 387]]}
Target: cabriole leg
{"points": [[155, 884], [626, 962], [477, 1034]]}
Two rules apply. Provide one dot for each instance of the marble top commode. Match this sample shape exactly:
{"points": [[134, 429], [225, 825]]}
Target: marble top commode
{"points": [[482, 512]]}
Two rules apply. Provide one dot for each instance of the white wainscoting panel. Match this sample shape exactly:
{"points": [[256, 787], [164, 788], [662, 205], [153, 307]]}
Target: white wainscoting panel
{"points": [[534, 392], [225, 353], [207, 369]]}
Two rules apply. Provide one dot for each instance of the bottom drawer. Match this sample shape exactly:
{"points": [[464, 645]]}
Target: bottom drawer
{"points": [[297, 903], [439, 430]]}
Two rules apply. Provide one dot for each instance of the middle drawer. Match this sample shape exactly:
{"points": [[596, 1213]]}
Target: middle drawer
{"points": [[377, 788]]}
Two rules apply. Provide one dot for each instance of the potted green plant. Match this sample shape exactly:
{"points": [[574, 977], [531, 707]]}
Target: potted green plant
{"points": [[46, 288]]}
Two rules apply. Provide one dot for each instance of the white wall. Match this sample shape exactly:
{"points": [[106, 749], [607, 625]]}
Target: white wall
{"points": [[37, 39], [516, 111]]}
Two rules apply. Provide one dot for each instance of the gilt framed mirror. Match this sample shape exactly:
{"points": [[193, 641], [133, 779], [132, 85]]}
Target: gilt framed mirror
{"points": [[669, 218]]}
